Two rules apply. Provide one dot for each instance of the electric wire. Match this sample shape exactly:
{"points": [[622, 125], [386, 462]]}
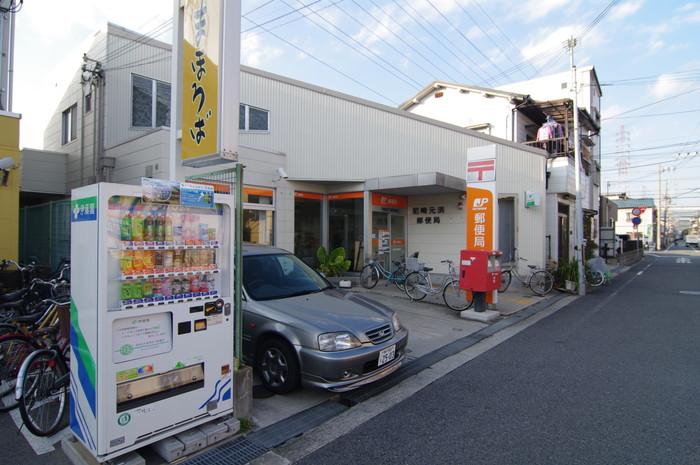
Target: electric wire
{"points": [[652, 103], [402, 40], [488, 36], [250, 35], [498, 28], [445, 42], [369, 54], [327, 65], [464, 36], [259, 7], [294, 10], [654, 115]]}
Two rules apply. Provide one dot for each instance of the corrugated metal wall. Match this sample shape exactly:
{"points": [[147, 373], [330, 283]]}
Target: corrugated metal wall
{"points": [[368, 141]]}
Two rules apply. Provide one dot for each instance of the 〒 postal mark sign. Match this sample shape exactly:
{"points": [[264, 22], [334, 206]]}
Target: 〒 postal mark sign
{"points": [[481, 170]]}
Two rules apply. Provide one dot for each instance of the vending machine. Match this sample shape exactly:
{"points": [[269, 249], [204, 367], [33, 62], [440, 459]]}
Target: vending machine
{"points": [[151, 312]]}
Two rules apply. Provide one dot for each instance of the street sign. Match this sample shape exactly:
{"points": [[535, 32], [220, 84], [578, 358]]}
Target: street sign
{"points": [[636, 212], [636, 221]]}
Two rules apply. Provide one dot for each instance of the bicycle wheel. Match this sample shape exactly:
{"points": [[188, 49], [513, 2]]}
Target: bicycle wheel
{"points": [[595, 278], [506, 277], [455, 298], [415, 285], [369, 277], [13, 351], [44, 387], [399, 278], [541, 282]]}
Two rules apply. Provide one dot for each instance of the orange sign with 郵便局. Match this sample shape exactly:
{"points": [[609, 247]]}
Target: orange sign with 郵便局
{"points": [[200, 78], [479, 219]]}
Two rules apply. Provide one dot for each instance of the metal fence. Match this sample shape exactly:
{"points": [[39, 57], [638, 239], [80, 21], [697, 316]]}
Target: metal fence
{"points": [[44, 233]]}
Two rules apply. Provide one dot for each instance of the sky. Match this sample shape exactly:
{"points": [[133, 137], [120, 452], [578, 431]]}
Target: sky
{"points": [[386, 50]]}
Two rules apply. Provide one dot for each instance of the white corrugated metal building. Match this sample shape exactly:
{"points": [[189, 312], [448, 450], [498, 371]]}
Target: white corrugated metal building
{"points": [[360, 174]]}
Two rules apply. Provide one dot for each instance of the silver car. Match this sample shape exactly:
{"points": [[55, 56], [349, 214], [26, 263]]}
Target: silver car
{"points": [[298, 328]]}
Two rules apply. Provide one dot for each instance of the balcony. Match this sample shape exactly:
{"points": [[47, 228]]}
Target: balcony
{"points": [[562, 112]]}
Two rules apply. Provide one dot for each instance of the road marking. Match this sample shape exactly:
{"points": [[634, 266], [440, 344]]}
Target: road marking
{"points": [[690, 292], [683, 260], [640, 273]]}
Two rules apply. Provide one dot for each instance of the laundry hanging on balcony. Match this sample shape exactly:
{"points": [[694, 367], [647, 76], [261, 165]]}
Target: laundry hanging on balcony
{"points": [[551, 134]]}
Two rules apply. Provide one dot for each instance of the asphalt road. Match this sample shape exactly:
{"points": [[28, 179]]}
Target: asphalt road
{"points": [[613, 378]]}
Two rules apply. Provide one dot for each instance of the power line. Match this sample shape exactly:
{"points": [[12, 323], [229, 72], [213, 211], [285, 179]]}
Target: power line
{"points": [[650, 115], [466, 39], [327, 65], [294, 10], [446, 43], [501, 31], [652, 103], [369, 54], [680, 144], [277, 26], [263, 5], [487, 35], [402, 40]]}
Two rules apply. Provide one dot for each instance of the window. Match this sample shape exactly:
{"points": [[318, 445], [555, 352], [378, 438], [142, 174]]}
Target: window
{"points": [[150, 102], [258, 215], [346, 223], [307, 225], [87, 103], [69, 124], [253, 119]]}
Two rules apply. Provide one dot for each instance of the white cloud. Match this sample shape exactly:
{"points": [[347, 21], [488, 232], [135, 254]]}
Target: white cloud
{"points": [[667, 85], [254, 52], [532, 10], [626, 9]]}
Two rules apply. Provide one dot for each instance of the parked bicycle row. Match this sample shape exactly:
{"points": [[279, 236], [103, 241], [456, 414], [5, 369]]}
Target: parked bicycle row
{"points": [[419, 283], [34, 348]]}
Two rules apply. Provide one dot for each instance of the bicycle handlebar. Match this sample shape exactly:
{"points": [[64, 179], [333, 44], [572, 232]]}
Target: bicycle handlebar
{"points": [[51, 301]]}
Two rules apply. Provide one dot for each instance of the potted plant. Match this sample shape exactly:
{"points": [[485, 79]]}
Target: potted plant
{"points": [[334, 263]]}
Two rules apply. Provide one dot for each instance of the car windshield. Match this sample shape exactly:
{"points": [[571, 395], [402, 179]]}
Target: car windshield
{"points": [[278, 276]]}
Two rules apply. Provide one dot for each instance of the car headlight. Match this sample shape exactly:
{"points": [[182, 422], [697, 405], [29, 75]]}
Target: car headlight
{"points": [[332, 342], [396, 322]]}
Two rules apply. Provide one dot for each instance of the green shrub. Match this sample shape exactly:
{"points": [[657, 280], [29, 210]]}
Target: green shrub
{"points": [[334, 263]]}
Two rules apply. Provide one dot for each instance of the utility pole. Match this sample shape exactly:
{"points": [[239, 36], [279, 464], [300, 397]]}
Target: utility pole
{"points": [[571, 43]]}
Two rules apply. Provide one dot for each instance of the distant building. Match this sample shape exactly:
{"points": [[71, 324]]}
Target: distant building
{"points": [[645, 210]]}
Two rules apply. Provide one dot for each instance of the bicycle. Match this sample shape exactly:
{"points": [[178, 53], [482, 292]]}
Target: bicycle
{"points": [[370, 274], [43, 383], [15, 347], [420, 284], [540, 281]]}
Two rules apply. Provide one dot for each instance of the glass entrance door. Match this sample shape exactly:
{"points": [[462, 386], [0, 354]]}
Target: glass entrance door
{"points": [[398, 238], [388, 238], [381, 238]]}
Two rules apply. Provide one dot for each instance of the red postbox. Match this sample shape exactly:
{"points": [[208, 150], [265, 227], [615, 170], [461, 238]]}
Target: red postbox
{"points": [[480, 270]]}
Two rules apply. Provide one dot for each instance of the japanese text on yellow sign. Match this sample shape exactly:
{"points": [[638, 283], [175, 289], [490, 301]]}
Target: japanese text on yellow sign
{"points": [[200, 78]]}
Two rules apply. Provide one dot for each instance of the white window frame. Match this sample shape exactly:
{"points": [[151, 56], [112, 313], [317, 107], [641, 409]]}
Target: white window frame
{"points": [[154, 90], [67, 132], [246, 123]]}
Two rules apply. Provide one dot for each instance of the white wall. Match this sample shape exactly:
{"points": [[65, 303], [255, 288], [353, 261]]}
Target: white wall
{"points": [[464, 109], [43, 171], [437, 242]]}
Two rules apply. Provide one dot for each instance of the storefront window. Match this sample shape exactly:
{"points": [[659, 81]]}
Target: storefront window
{"points": [[345, 224], [307, 225], [257, 226], [258, 215]]}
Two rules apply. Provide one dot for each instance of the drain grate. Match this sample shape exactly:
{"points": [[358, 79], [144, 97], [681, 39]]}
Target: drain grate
{"points": [[237, 452], [296, 425]]}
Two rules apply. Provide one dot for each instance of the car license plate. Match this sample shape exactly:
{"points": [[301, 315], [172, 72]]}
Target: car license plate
{"points": [[386, 355]]}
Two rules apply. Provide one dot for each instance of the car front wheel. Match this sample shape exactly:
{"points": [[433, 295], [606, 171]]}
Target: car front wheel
{"points": [[278, 366]]}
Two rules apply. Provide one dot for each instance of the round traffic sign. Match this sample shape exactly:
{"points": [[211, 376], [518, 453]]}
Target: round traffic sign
{"points": [[636, 212], [636, 221]]}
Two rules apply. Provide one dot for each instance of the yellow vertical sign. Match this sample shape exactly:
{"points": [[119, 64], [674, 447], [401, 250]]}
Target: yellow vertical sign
{"points": [[200, 78]]}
